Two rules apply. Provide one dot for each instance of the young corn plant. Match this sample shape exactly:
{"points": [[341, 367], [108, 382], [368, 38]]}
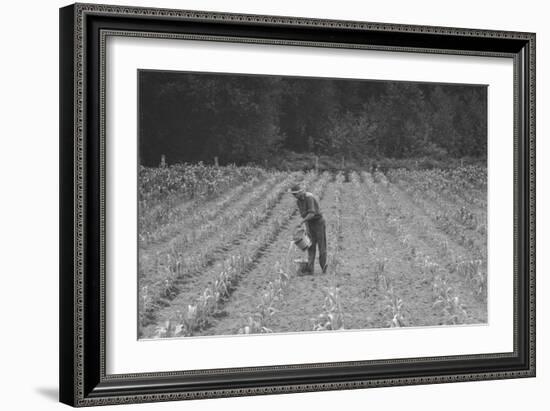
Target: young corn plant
{"points": [[332, 317], [366, 231], [447, 302], [169, 330], [452, 308], [338, 202], [473, 272], [379, 269], [257, 322], [190, 321], [467, 218], [394, 305], [254, 325], [429, 268]]}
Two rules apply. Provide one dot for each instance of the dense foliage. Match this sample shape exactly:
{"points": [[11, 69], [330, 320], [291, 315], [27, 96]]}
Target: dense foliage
{"points": [[245, 118]]}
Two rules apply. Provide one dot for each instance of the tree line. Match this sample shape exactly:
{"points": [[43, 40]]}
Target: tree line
{"points": [[240, 119]]}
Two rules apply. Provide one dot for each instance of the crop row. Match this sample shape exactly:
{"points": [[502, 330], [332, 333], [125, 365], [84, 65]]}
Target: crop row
{"points": [[393, 304], [178, 262], [166, 223], [219, 216], [163, 189], [465, 186], [445, 297], [332, 315], [457, 209], [459, 224]]}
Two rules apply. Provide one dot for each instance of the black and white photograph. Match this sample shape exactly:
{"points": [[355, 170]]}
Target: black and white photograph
{"points": [[282, 204]]}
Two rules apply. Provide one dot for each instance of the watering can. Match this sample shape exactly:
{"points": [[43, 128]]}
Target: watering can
{"points": [[302, 239]]}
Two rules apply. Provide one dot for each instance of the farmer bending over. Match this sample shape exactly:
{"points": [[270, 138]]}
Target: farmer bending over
{"points": [[315, 224]]}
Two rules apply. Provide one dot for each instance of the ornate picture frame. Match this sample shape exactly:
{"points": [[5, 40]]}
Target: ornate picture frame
{"points": [[84, 30]]}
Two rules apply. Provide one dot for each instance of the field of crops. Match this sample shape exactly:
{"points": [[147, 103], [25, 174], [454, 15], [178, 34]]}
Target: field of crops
{"points": [[405, 248]]}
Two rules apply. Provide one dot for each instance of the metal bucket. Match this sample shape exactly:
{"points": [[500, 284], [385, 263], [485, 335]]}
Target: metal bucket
{"points": [[301, 266], [301, 239]]}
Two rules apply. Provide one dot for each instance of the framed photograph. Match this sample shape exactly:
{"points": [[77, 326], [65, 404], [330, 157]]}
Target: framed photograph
{"points": [[262, 204]]}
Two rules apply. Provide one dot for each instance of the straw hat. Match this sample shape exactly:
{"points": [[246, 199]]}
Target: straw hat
{"points": [[295, 189]]}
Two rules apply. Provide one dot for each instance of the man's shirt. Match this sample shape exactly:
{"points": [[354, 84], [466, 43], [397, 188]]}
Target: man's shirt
{"points": [[309, 204]]}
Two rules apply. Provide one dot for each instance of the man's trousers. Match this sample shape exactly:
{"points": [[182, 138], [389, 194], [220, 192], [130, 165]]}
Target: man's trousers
{"points": [[317, 232]]}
